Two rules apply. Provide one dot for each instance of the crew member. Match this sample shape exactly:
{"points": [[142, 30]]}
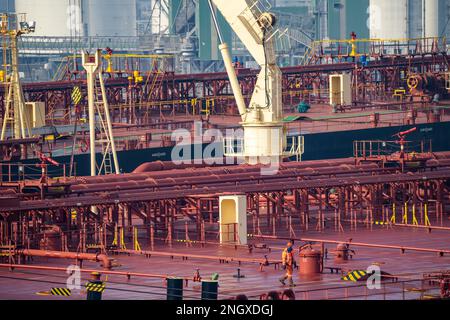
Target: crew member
{"points": [[288, 264]]}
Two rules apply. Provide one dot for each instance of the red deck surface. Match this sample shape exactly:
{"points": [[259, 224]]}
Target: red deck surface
{"points": [[24, 284]]}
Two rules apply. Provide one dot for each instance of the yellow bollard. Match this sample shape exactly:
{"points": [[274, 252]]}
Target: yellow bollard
{"points": [[122, 239], [193, 104], [393, 219], [137, 246], [427, 220], [405, 214], [114, 243], [414, 218], [109, 69]]}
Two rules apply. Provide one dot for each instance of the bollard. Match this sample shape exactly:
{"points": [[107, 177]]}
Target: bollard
{"points": [[238, 275], [174, 289], [93, 291], [209, 289]]}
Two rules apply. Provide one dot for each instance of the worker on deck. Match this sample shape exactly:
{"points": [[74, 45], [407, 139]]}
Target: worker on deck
{"points": [[288, 263], [93, 290]]}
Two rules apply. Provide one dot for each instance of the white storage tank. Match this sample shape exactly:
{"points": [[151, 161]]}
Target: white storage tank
{"points": [[388, 19], [431, 18], [53, 18], [110, 17]]}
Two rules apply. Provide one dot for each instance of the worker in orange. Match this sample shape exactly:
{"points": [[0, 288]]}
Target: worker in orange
{"points": [[288, 262]]}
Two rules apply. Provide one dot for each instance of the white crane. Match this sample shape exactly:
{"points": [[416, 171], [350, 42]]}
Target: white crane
{"points": [[264, 132]]}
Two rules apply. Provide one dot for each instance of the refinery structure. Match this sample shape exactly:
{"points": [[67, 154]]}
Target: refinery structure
{"points": [[197, 150]]}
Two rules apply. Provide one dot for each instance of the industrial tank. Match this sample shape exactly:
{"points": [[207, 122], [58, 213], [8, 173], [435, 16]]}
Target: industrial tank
{"points": [[431, 18], [110, 17], [53, 18], [388, 19]]}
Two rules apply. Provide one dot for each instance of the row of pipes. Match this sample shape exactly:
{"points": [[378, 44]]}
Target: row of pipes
{"points": [[168, 175]]}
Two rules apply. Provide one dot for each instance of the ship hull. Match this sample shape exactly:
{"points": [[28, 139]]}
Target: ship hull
{"points": [[318, 146]]}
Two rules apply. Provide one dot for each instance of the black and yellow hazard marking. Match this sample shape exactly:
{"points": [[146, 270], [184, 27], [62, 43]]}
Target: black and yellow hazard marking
{"points": [[94, 287], [61, 292], [355, 275], [76, 95]]}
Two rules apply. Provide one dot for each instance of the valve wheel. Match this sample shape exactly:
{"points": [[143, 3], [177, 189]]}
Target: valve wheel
{"points": [[413, 82]]}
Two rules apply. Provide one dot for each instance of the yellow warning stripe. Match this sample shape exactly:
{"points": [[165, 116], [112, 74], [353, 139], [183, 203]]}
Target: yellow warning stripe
{"points": [[351, 277], [95, 287], [61, 292], [354, 275], [76, 95]]}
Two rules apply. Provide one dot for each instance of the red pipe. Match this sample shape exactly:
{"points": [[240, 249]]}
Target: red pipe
{"points": [[119, 273], [106, 262], [213, 178], [441, 252]]}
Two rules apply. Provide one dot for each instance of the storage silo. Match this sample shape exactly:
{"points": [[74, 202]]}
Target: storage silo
{"points": [[53, 18], [110, 17], [388, 19], [430, 18]]}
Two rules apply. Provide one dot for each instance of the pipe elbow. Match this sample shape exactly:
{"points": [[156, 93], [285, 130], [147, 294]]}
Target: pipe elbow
{"points": [[106, 262]]}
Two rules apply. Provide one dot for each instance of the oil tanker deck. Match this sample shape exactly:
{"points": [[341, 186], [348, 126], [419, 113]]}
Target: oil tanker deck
{"points": [[163, 211]]}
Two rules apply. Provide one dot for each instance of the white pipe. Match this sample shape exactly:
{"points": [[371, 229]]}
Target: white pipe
{"points": [[233, 80], [108, 122], [6, 114], [91, 108]]}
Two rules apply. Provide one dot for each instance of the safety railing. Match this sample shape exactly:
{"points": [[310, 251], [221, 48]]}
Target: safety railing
{"points": [[414, 289], [327, 51], [367, 149], [18, 172], [234, 147], [295, 147]]}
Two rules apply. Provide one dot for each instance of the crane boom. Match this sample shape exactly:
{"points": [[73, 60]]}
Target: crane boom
{"points": [[264, 132]]}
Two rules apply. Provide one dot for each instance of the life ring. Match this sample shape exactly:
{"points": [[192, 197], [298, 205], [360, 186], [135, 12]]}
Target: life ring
{"points": [[413, 82]]}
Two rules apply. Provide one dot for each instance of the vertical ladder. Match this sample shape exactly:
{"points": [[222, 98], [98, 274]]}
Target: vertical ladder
{"points": [[107, 159], [157, 79]]}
